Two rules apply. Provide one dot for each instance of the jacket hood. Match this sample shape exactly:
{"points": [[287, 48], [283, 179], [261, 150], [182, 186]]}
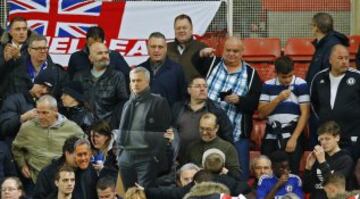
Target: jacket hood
{"points": [[58, 123], [6, 37], [333, 36]]}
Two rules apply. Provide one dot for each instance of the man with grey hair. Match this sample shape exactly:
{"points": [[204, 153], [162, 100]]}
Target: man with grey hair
{"points": [[104, 87], [144, 120], [167, 77], [40, 140], [185, 174]]}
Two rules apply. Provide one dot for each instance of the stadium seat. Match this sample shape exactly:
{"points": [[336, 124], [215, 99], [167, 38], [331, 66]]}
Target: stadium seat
{"points": [[257, 134], [261, 49], [215, 40], [301, 51], [353, 48], [261, 53]]}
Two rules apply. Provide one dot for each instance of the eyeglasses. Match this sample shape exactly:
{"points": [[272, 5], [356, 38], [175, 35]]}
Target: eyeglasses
{"points": [[202, 129], [40, 48], [199, 85], [10, 189]]}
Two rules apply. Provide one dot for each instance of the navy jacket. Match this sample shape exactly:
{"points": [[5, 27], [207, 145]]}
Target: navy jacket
{"points": [[169, 81], [7, 166], [320, 59]]}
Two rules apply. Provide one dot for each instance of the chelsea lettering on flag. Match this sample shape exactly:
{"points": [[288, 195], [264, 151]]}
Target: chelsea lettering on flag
{"points": [[126, 24]]}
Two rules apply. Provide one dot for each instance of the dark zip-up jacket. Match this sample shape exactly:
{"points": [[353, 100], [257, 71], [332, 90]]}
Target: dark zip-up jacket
{"points": [[320, 59], [346, 111]]}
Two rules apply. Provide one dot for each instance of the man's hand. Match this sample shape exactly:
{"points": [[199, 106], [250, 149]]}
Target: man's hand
{"points": [[224, 171], [291, 145], [26, 171], [28, 115], [207, 52], [169, 134], [283, 95], [11, 52], [98, 166], [319, 154], [232, 99], [310, 161], [282, 180]]}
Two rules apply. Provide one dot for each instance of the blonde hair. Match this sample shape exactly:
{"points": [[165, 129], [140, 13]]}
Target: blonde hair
{"points": [[135, 193]]}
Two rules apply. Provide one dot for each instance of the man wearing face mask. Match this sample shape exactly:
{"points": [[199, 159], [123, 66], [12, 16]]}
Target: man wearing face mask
{"points": [[104, 87], [284, 102]]}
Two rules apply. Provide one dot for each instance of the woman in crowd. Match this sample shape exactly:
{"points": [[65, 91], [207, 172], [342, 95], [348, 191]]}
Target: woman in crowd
{"points": [[102, 140]]}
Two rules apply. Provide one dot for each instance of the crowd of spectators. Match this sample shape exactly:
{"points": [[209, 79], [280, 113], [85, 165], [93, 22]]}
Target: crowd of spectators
{"points": [[179, 124]]}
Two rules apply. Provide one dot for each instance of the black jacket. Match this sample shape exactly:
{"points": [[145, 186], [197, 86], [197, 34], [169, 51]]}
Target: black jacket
{"points": [[104, 94], [320, 59], [170, 192], [358, 58], [7, 166], [13, 107], [80, 61], [248, 104], [80, 115], [340, 163], [225, 126], [347, 104], [85, 181], [157, 120]]}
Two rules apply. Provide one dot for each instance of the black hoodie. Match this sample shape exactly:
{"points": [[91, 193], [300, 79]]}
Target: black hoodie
{"points": [[340, 163], [320, 59]]}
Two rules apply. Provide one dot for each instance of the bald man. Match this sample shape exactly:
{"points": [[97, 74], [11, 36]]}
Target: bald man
{"points": [[235, 86], [335, 96], [104, 87]]}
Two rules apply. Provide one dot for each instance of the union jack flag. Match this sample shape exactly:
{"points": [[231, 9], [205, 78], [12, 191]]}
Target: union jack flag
{"points": [[68, 18]]}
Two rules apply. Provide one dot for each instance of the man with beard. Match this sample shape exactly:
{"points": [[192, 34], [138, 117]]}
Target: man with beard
{"points": [[104, 87]]}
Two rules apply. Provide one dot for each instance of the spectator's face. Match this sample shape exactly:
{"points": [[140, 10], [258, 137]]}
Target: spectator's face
{"points": [[232, 52], [262, 167], [328, 142], [108, 193], [70, 159], [186, 177], [91, 40], [138, 82], [82, 156], [66, 182], [339, 61], [68, 101], [198, 89], [46, 113], [331, 190], [38, 51], [281, 168], [99, 141], [39, 90], [157, 49], [99, 55], [18, 31], [10, 190], [285, 79], [183, 30], [208, 129]]}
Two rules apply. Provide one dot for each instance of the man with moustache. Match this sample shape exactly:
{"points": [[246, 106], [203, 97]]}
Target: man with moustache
{"points": [[104, 87]]}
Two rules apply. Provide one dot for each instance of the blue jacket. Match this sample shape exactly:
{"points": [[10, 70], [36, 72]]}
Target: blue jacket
{"points": [[169, 81], [320, 59]]}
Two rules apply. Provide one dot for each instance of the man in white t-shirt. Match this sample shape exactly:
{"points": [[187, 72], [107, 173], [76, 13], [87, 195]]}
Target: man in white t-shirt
{"points": [[335, 95]]}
